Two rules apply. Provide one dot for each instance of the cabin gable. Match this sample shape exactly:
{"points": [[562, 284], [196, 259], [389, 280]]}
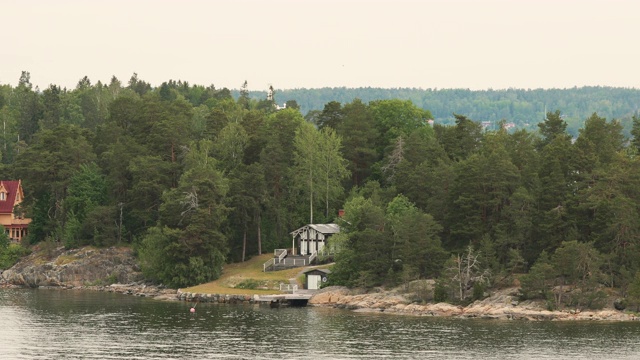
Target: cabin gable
{"points": [[312, 238]]}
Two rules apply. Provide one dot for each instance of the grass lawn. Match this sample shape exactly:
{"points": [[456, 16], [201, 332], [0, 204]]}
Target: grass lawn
{"points": [[248, 271]]}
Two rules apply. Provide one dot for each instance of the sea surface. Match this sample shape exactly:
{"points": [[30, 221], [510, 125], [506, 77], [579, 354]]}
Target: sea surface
{"points": [[72, 324]]}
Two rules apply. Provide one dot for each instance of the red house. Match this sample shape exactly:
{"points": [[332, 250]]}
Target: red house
{"points": [[11, 195]]}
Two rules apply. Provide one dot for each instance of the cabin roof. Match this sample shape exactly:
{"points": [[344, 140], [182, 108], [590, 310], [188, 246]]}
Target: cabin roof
{"points": [[324, 271], [321, 228], [12, 187]]}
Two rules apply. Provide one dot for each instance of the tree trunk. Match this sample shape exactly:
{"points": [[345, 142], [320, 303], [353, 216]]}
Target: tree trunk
{"points": [[259, 237], [459, 263], [311, 195], [244, 244], [559, 297]]}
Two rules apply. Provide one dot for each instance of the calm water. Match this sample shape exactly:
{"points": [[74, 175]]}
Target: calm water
{"points": [[52, 324]]}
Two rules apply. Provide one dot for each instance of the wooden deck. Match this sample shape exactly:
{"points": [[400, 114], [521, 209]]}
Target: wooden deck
{"points": [[287, 262], [297, 299], [269, 298]]}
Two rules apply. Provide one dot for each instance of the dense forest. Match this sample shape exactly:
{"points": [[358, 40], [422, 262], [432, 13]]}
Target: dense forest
{"points": [[525, 108], [193, 177]]}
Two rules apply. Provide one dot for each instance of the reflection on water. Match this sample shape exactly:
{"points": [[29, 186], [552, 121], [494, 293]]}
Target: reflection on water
{"points": [[54, 324]]}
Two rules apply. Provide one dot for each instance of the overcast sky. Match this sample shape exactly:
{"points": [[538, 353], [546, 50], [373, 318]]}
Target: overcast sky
{"points": [[476, 44]]}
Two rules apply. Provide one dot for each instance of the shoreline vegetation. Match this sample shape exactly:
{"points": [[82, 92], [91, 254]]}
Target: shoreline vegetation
{"points": [[68, 269]]}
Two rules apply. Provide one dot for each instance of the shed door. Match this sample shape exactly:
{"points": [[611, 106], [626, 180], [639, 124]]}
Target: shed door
{"points": [[313, 282]]}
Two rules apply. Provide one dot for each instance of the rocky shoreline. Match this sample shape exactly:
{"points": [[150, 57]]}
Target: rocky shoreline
{"points": [[109, 270], [116, 270], [501, 305], [76, 268], [496, 307], [112, 269]]}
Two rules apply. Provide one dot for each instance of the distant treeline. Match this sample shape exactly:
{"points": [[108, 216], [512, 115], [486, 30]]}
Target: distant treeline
{"points": [[524, 107]]}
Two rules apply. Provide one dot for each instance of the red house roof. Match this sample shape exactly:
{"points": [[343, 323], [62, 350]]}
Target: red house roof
{"points": [[12, 187]]}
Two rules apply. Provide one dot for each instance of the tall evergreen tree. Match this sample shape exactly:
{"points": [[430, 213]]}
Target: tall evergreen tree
{"points": [[359, 136], [187, 246], [552, 127]]}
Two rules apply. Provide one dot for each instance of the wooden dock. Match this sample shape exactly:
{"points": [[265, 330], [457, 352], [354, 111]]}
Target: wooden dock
{"points": [[285, 299]]}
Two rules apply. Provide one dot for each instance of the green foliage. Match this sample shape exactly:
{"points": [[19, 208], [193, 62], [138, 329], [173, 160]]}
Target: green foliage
{"points": [[440, 292], [377, 247], [593, 299], [4, 238], [416, 244], [396, 118], [478, 291], [487, 255], [10, 253], [111, 279], [230, 145], [318, 167], [100, 227], [579, 264], [480, 193], [87, 189], [537, 283], [48, 166], [635, 132], [283, 214], [248, 284], [359, 136], [345, 269], [187, 247], [71, 232], [571, 277], [365, 260], [634, 291], [164, 260], [553, 126], [331, 115]]}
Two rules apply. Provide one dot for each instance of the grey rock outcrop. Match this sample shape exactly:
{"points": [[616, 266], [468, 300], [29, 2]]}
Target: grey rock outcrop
{"points": [[500, 305], [76, 267]]}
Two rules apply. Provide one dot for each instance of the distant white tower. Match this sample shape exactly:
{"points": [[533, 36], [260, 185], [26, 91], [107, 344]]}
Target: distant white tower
{"points": [[270, 93]]}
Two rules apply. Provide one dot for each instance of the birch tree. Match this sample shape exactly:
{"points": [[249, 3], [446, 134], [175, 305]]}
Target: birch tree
{"points": [[332, 166], [319, 166]]}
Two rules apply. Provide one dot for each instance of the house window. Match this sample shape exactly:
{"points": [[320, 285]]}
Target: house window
{"points": [[3, 196]]}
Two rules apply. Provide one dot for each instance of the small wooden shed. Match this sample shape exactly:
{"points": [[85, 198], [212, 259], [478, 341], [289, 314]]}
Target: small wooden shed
{"points": [[316, 277]]}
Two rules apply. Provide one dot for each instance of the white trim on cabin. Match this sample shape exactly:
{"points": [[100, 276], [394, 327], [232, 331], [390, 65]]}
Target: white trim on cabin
{"points": [[312, 238]]}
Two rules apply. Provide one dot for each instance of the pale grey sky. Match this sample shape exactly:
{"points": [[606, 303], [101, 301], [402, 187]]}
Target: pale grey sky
{"points": [[476, 44]]}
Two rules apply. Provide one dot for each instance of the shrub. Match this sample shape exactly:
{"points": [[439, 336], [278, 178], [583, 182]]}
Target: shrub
{"points": [[478, 291], [440, 292], [248, 284], [11, 254]]}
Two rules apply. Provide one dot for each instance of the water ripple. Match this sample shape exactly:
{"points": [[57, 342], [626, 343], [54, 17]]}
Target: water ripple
{"points": [[51, 324]]}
